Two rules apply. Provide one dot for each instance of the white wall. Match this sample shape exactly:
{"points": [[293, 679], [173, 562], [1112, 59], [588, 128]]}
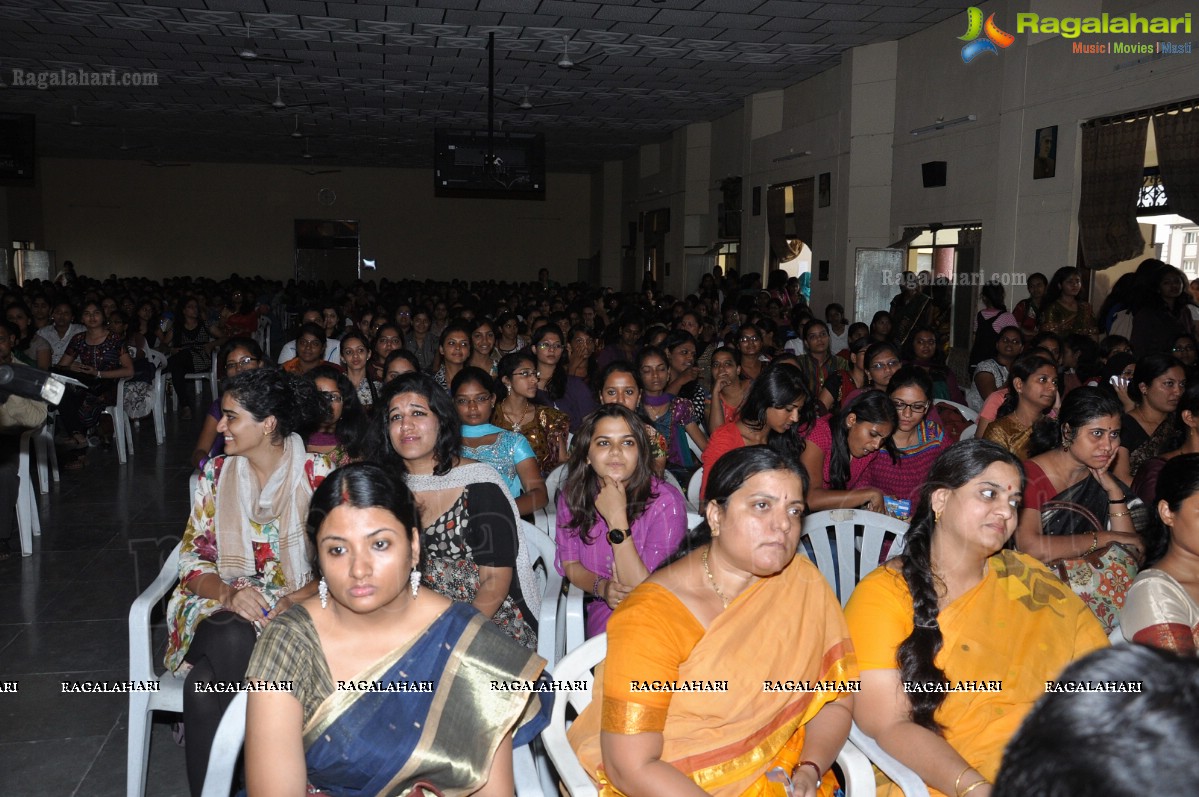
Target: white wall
{"points": [[856, 120]]}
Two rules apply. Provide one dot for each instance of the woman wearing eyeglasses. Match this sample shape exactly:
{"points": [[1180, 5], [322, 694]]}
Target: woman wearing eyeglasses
{"points": [[342, 433], [749, 343], [918, 442], [236, 356], [508, 452], [544, 427], [556, 388]]}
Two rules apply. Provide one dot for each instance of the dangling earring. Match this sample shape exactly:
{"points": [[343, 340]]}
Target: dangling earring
{"points": [[322, 589], [936, 518], [414, 582]]}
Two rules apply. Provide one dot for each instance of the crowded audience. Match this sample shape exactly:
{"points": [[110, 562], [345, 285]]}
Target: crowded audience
{"points": [[438, 415]]}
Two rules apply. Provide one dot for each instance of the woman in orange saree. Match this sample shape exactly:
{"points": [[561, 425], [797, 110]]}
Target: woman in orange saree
{"points": [[688, 707]]}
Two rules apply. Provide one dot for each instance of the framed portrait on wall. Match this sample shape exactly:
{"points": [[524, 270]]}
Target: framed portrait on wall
{"points": [[1045, 153]]}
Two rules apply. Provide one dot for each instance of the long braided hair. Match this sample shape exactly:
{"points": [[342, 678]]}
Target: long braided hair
{"points": [[957, 465]]}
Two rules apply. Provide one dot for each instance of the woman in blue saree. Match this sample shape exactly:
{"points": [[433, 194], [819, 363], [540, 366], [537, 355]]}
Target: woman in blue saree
{"points": [[376, 687]]}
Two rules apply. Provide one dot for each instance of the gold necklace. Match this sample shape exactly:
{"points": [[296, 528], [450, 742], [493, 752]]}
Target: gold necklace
{"points": [[711, 580], [519, 418]]}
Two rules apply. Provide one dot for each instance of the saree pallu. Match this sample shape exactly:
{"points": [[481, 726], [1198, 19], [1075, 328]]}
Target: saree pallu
{"points": [[380, 744], [1015, 630], [724, 740]]}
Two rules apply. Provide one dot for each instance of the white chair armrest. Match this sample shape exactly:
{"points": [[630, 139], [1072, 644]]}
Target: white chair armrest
{"points": [[141, 654], [907, 780]]}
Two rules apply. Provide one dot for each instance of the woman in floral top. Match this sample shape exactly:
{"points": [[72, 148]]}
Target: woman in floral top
{"points": [[245, 557]]}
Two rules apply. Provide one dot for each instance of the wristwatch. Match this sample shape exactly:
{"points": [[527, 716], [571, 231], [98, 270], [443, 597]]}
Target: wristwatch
{"points": [[617, 536]]}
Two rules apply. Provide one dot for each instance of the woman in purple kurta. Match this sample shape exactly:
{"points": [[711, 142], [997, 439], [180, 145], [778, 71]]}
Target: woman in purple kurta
{"points": [[616, 521]]}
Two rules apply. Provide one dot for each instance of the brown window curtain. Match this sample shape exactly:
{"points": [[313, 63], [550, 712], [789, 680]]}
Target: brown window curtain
{"points": [[1113, 164], [1177, 137]]}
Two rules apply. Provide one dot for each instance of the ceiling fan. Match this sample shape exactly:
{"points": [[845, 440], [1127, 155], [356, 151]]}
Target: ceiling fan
{"points": [[527, 105], [278, 102], [249, 52], [307, 155], [125, 147], [565, 63], [295, 133]]}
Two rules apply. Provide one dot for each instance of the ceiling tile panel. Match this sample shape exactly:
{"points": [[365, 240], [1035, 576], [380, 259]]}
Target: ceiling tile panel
{"points": [[628, 13], [128, 23], [58, 17], [88, 6], [832, 11], [507, 6], [151, 12], [393, 69], [737, 21], [787, 8], [416, 15]]}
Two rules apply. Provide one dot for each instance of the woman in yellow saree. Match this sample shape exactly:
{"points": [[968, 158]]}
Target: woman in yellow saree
{"points": [[957, 638], [729, 671]]}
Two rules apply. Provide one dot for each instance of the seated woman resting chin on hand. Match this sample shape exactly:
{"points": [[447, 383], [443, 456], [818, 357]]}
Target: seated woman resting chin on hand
{"points": [[616, 521]]}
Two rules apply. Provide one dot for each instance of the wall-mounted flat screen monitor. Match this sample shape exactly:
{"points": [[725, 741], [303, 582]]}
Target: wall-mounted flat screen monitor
{"points": [[470, 163]]}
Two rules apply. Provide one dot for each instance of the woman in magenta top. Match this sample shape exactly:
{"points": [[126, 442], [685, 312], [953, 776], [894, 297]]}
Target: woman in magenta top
{"points": [[918, 440], [841, 448], [616, 521]]}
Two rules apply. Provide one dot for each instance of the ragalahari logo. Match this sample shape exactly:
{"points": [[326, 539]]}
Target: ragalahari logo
{"points": [[993, 39]]}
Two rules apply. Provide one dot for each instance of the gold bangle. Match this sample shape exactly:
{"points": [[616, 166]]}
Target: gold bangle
{"points": [[1118, 514], [1094, 542], [957, 783], [972, 787]]}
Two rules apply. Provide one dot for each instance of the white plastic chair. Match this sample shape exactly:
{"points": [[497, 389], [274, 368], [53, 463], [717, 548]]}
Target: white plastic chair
{"points": [[546, 518], [859, 537], [226, 749], [198, 379], [122, 430], [693, 520], [695, 449], [969, 432], [530, 766], [47, 454], [29, 523], [967, 413], [169, 696], [262, 335], [159, 361], [908, 781], [578, 666], [670, 479], [551, 631], [693, 487]]}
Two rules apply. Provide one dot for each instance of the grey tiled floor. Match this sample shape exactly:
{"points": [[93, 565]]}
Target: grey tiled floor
{"points": [[63, 615]]}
